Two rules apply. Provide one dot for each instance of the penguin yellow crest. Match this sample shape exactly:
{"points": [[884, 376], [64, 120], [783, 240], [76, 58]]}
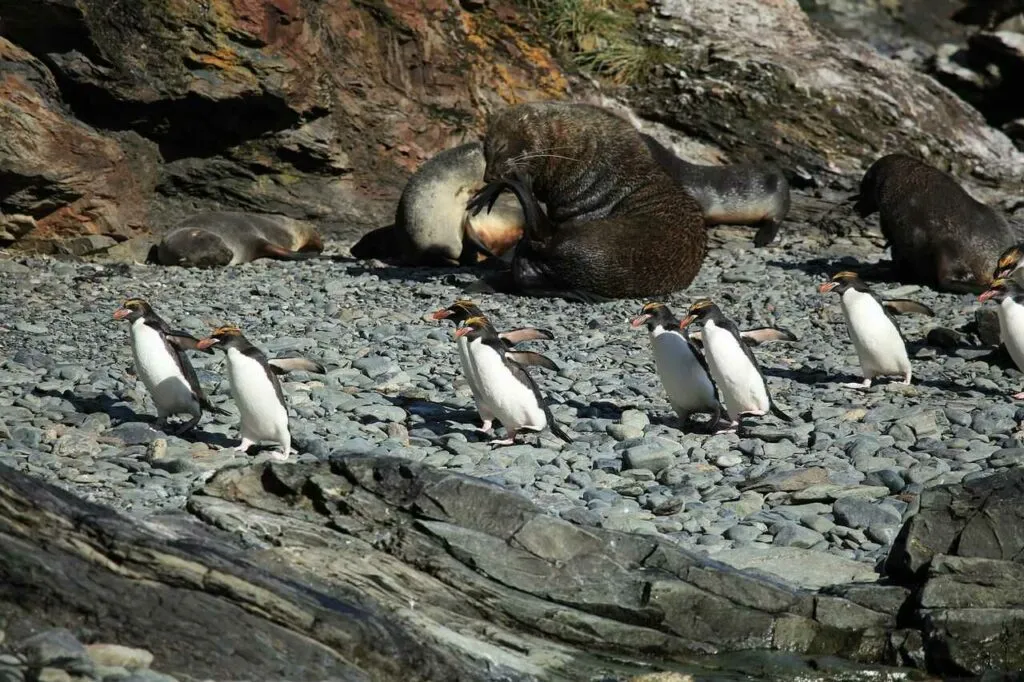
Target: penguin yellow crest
{"points": [[651, 307], [845, 274], [1010, 258], [702, 304], [226, 330]]}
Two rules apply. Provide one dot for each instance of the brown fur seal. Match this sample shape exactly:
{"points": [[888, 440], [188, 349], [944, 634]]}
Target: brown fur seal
{"points": [[615, 226], [431, 217], [736, 194], [940, 235], [219, 238]]}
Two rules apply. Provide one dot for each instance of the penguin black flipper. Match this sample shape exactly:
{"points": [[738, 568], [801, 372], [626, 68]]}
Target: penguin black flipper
{"points": [[905, 306], [177, 343], [528, 357], [520, 373], [185, 341], [516, 336], [734, 330]]}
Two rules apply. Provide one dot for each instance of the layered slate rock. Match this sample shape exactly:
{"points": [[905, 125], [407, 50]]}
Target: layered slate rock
{"points": [[314, 110], [372, 568]]}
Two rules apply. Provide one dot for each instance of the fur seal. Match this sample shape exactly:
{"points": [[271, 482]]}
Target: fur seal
{"points": [[431, 217], [615, 225], [735, 194], [940, 235], [219, 238]]}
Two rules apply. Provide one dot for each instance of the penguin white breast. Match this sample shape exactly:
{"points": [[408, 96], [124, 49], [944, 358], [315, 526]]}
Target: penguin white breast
{"points": [[686, 383], [262, 414], [462, 344], [1011, 329], [513, 402], [879, 345], [742, 386], [159, 371]]}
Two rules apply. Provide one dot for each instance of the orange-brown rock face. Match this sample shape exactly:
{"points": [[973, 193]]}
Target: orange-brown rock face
{"points": [[133, 114]]}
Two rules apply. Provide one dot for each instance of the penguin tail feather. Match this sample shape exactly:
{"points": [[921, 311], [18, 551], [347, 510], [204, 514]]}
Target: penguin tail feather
{"points": [[557, 430], [210, 407], [778, 412]]}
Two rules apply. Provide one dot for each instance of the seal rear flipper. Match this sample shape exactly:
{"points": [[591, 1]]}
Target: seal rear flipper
{"points": [[767, 232], [528, 357], [904, 306], [280, 253], [514, 336], [475, 242]]}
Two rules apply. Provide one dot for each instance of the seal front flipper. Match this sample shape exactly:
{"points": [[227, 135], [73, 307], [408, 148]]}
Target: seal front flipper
{"points": [[904, 306]]}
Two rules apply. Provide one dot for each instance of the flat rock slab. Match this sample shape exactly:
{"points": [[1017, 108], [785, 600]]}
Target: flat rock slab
{"points": [[804, 568]]}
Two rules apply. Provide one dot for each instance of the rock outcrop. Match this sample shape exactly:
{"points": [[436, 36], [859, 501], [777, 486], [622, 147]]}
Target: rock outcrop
{"points": [[763, 82], [363, 567], [986, 69], [122, 119]]}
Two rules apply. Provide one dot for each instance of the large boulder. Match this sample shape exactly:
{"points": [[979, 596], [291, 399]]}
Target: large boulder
{"points": [[764, 82]]}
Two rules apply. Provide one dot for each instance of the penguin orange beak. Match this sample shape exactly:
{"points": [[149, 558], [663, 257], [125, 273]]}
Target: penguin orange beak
{"points": [[987, 295], [121, 313], [462, 331], [685, 322], [441, 314], [637, 321], [203, 344], [827, 287]]}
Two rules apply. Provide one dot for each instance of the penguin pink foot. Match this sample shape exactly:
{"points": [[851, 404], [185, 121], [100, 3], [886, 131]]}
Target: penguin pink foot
{"points": [[1018, 396]]}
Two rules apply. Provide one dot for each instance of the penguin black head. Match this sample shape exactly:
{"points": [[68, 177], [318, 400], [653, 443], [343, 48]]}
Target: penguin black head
{"points": [[655, 314], [458, 312], [224, 338], [700, 310], [1008, 261], [1003, 288], [133, 309], [841, 281]]}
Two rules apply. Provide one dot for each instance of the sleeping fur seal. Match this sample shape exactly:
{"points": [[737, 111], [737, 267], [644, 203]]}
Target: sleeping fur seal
{"points": [[431, 217], [940, 235], [219, 238], [614, 225]]}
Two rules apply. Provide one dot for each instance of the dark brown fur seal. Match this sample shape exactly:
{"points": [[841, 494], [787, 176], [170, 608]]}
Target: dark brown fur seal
{"points": [[615, 226], [736, 194], [220, 238], [431, 217], [940, 235]]}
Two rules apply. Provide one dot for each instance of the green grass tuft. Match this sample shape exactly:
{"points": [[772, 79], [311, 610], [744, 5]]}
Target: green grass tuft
{"points": [[601, 36]]}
